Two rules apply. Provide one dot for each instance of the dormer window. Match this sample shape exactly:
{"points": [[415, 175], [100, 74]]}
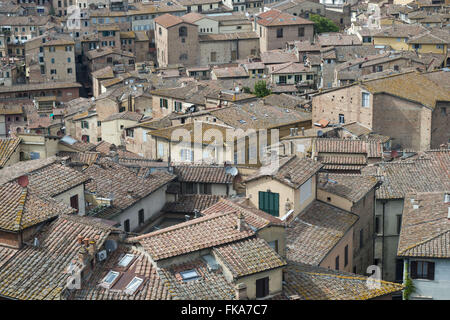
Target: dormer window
{"points": [[126, 259], [189, 275], [133, 285], [110, 278], [182, 31]]}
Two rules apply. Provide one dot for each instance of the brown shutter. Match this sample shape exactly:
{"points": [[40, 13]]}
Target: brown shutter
{"points": [[413, 269], [430, 275]]}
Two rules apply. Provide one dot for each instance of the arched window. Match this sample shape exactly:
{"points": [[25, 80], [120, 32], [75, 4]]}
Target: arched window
{"points": [[182, 32], [183, 56]]}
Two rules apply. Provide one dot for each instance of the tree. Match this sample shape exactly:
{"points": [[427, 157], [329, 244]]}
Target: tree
{"points": [[246, 90], [322, 25], [261, 89]]}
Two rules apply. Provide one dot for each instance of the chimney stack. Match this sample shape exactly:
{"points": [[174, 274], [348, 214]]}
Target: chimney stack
{"points": [[241, 291], [92, 247], [23, 181], [240, 221], [86, 242]]}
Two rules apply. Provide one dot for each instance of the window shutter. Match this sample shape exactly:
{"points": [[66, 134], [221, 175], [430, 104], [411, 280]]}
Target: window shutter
{"points": [[413, 269], [430, 275]]}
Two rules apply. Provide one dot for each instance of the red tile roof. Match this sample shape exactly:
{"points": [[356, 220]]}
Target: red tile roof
{"points": [[277, 18]]}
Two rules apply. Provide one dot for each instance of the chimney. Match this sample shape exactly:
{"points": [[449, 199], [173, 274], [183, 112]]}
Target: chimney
{"points": [[92, 248], [240, 221], [241, 291], [86, 242], [23, 181], [83, 255]]}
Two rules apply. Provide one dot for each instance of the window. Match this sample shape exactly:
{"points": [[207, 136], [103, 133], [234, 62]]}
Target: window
{"points": [[282, 79], [269, 202], [129, 133], [379, 68], [126, 225], [74, 202], [301, 31], [274, 245], [189, 275], [396, 68], [53, 71], [337, 263], [306, 191], [422, 270], [377, 225], [133, 285], [346, 256], [163, 103], [213, 57], [186, 155], [183, 56], [69, 70], [84, 125], [189, 188], [417, 46], [51, 49], [141, 217], [99, 123], [125, 260], [160, 150], [52, 60], [341, 119], [439, 46], [110, 278], [182, 31], [280, 33], [365, 99], [85, 138], [262, 287], [177, 106], [399, 223], [361, 238]]}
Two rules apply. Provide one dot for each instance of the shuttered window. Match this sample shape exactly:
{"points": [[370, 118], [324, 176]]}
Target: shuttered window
{"points": [[262, 287], [422, 270], [269, 202]]}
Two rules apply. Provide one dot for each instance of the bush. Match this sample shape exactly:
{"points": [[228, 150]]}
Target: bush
{"points": [[261, 89], [323, 25]]}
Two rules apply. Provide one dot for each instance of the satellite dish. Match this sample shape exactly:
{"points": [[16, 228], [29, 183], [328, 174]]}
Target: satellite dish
{"points": [[110, 245], [231, 170]]}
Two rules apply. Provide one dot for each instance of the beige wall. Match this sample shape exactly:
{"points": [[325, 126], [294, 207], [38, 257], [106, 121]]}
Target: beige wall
{"points": [[46, 147], [113, 130], [345, 101], [269, 40], [66, 195], [339, 250], [227, 51], [141, 144], [289, 198]]}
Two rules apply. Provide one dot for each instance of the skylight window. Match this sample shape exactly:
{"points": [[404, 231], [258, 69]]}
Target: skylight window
{"points": [[126, 259], [133, 285], [242, 121], [189, 275], [110, 278]]}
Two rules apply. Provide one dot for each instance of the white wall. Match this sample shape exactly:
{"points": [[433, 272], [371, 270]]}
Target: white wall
{"points": [[437, 289]]}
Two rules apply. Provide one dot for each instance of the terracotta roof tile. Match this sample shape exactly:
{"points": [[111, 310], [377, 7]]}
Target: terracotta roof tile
{"points": [[350, 186], [250, 256], [315, 232], [203, 174], [7, 147], [189, 203]]}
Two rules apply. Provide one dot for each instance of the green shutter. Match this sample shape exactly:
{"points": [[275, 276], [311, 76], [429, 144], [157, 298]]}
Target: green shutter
{"points": [[269, 202]]}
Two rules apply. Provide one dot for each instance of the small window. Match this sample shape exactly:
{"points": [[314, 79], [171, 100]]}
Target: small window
{"points": [[346, 256], [262, 287], [399, 223], [341, 119], [133, 285], [126, 259], [280, 33], [109, 279], [274, 245], [126, 225], [189, 275], [365, 99], [337, 263]]}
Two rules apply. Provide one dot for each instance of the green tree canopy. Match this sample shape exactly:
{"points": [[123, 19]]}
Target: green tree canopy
{"points": [[261, 89], [322, 25]]}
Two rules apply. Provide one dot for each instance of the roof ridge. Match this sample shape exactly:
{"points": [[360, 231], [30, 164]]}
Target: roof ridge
{"points": [[20, 209], [424, 241], [181, 225]]}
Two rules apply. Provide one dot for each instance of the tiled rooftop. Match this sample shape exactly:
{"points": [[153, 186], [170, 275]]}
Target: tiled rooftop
{"points": [[194, 235], [293, 171], [315, 232], [189, 203], [349, 186], [314, 283], [203, 174], [7, 148], [247, 257], [40, 273], [425, 231]]}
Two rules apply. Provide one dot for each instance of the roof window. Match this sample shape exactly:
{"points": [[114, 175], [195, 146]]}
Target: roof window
{"points": [[133, 285], [189, 275], [126, 259]]}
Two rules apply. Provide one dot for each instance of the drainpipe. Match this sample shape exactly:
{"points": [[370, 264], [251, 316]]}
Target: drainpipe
{"points": [[382, 243]]}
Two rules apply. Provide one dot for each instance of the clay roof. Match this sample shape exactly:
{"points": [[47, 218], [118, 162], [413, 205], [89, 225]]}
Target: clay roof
{"points": [[289, 67], [427, 173], [278, 56], [22, 207], [41, 273], [292, 171], [425, 231], [306, 282], [316, 231], [249, 256], [109, 177], [189, 203], [194, 235], [168, 20], [411, 86], [152, 287], [277, 18], [349, 186], [7, 148], [203, 174], [127, 115]]}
